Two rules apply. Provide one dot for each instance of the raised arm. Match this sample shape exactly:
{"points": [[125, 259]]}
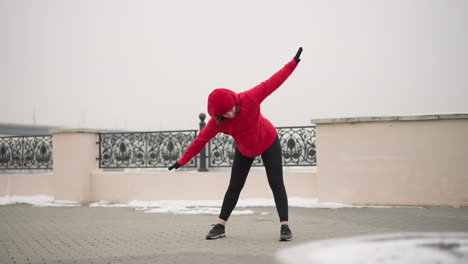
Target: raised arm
{"points": [[264, 89]]}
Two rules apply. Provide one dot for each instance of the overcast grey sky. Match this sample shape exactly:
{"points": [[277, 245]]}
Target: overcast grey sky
{"points": [[150, 65]]}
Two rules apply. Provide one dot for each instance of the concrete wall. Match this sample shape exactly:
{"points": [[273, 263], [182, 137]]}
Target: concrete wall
{"points": [[126, 186], [192, 185], [76, 177], [405, 161], [27, 184], [74, 158], [384, 160]]}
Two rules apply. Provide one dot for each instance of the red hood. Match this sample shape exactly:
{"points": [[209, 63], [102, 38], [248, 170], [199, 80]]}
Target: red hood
{"points": [[220, 101]]}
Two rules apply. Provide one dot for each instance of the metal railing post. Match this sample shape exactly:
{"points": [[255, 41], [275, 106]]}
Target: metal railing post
{"points": [[202, 117]]}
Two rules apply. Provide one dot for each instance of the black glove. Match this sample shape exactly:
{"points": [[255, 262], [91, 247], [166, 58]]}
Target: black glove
{"points": [[298, 54], [174, 166]]}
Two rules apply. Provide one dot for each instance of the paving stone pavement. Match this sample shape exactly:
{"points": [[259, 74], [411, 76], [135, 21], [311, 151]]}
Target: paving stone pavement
{"points": [[85, 234]]}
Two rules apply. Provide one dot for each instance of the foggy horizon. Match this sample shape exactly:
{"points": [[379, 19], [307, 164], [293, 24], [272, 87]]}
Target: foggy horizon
{"points": [[150, 65]]}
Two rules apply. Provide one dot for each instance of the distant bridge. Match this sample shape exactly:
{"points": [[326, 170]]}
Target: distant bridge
{"points": [[23, 130]]}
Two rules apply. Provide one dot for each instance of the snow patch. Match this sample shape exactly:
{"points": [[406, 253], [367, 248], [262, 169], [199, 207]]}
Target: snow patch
{"points": [[37, 201], [397, 248], [212, 207]]}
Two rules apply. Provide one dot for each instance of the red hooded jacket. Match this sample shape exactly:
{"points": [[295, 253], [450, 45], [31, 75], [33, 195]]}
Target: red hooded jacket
{"points": [[252, 132]]}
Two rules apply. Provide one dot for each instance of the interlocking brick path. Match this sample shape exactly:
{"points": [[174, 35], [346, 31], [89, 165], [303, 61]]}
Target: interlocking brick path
{"points": [[124, 235]]}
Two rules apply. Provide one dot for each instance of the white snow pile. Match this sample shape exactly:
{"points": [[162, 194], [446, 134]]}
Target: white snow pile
{"points": [[397, 248], [174, 207], [178, 206], [214, 206], [37, 200]]}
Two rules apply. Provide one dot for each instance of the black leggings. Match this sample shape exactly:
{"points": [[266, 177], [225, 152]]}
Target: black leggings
{"points": [[272, 159]]}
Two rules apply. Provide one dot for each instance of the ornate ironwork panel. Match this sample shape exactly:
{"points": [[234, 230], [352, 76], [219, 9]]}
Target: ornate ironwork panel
{"points": [[297, 143], [145, 149], [221, 151], [34, 152]]}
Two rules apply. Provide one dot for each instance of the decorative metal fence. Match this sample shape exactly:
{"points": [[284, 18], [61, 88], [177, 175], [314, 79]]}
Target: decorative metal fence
{"points": [[162, 149], [144, 149], [297, 143], [32, 152], [155, 149]]}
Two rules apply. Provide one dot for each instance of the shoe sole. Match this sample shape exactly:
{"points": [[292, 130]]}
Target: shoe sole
{"points": [[285, 239], [216, 237]]}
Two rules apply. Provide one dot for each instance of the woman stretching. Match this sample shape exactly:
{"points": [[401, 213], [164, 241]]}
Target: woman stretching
{"points": [[239, 115]]}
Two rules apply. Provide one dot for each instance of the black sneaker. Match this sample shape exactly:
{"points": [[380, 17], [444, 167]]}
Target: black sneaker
{"points": [[286, 233], [216, 232]]}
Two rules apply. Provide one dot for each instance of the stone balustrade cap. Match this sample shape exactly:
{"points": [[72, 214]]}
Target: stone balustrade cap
{"points": [[81, 130], [390, 118]]}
